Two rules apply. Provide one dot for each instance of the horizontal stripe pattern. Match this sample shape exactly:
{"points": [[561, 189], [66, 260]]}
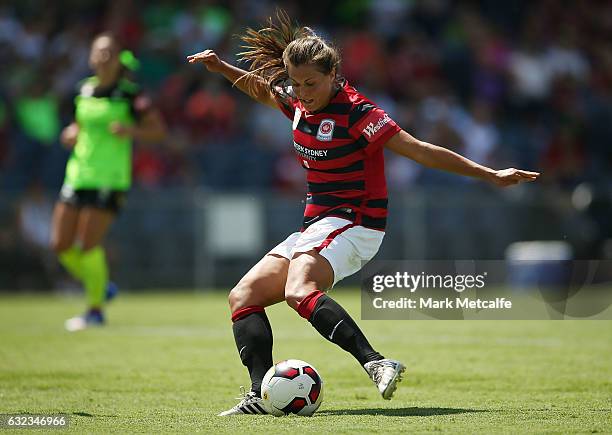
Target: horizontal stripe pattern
{"points": [[338, 201], [338, 108], [377, 203], [373, 212], [336, 186], [378, 223], [333, 201], [353, 167], [345, 172]]}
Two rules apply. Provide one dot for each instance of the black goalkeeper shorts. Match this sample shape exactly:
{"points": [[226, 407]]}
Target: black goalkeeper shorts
{"points": [[105, 199]]}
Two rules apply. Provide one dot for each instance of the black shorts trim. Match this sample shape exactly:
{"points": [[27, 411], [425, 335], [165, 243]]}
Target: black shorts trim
{"points": [[104, 199]]}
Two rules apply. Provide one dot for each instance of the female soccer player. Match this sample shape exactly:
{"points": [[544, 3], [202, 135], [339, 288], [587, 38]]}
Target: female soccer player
{"points": [[339, 137], [110, 112]]}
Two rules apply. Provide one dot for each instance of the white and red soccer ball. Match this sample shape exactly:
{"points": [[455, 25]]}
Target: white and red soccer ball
{"points": [[292, 387]]}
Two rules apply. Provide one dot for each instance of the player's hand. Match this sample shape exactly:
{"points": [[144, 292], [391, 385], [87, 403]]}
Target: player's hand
{"points": [[69, 135], [512, 176], [207, 57], [120, 129]]}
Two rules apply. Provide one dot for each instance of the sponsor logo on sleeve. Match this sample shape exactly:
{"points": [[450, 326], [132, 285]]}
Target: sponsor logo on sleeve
{"points": [[326, 130], [372, 128]]}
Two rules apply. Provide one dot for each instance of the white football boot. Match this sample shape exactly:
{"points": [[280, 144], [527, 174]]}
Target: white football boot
{"points": [[385, 373], [249, 404], [87, 320]]}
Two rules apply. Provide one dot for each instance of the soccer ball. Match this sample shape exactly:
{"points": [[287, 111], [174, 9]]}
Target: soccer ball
{"points": [[292, 387]]}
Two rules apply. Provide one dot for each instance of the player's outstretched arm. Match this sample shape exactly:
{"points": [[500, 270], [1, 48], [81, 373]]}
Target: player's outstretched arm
{"points": [[150, 128], [252, 85], [437, 157]]}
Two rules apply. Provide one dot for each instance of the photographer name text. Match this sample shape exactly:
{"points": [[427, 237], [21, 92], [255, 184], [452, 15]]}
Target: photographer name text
{"points": [[443, 304]]}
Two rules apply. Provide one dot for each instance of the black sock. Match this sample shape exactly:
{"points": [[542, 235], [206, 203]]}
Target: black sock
{"points": [[337, 326], [253, 335]]}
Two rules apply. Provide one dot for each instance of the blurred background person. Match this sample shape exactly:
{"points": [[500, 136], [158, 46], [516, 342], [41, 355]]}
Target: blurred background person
{"points": [[110, 113]]}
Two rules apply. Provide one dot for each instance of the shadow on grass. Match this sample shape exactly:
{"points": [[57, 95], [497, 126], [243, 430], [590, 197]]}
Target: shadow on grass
{"points": [[87, 414], [79, 413], [400, 412]]}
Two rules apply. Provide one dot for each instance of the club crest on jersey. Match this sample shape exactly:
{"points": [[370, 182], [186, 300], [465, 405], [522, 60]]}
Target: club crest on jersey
{"points": [[326, 130], [296, 117]]}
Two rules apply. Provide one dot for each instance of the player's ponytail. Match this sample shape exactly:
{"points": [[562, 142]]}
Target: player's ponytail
{"points": [[270, 49]]}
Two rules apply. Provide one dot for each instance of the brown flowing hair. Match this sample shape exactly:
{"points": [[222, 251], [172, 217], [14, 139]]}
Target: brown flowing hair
{"points": [[270, 49]]}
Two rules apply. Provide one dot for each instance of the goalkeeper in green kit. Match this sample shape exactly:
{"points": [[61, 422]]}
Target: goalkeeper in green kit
{"points": [[110, 112]]}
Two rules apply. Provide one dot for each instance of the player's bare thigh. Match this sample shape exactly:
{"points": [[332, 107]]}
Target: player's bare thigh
{"points": [[63, 226], [308, 271], [93, 225], [263, 285]]}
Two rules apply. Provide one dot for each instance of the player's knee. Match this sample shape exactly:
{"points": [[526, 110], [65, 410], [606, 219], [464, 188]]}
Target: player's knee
{"points": [[233, 299], [294, 293], [88, 245], [293, 301], [239, 297], [58, 245]]}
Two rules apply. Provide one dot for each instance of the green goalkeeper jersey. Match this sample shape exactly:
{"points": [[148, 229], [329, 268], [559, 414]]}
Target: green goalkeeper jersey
{"points": [[101, 159]]}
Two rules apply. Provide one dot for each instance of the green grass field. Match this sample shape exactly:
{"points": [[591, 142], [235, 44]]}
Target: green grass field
{"points": [[167, 363]]}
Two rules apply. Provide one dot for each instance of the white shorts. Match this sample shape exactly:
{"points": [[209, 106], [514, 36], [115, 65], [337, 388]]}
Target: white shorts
{"points": [[347, 247]]}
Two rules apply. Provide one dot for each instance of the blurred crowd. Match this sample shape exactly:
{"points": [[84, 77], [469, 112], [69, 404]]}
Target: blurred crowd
{"points": [[521, 83]]}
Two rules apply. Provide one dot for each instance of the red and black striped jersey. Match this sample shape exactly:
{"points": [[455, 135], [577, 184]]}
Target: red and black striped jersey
{"points": [[341, 148]]}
